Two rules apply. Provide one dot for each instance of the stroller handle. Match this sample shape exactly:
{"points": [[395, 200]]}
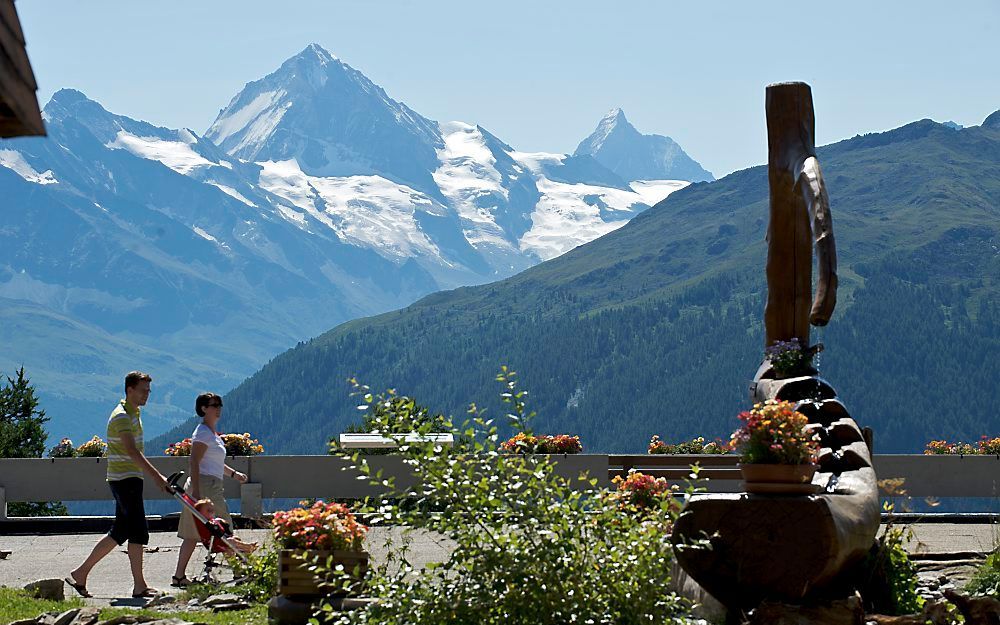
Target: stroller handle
{"points": [[174, 482]]}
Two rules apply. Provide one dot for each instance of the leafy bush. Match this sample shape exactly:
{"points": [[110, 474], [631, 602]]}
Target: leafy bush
{"points": [[529, 548], [986, 579], [390, 413], [693, 446], [889, 585], [259, 573]]}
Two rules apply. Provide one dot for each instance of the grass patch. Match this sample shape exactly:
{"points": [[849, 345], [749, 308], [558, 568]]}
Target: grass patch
{"points": [[16, 604], [256, 615]]}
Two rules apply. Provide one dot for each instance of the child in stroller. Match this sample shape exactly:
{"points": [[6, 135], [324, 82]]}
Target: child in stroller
{"points": [[217, 528], [215, 534]]}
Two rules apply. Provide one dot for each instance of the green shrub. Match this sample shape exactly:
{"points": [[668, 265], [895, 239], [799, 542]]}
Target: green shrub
{"points": [[528, 547], [890, 582], [986, 579], [260, 573]]}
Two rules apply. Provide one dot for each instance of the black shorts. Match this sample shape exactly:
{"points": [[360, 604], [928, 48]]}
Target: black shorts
{"points": [[130, 514]]}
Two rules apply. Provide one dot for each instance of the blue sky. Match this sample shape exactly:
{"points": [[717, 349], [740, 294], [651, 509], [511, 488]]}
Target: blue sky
{"points": [[540, 74]]}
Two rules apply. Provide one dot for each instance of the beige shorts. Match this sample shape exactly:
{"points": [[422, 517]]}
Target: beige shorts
{"points": [[211, 488]]}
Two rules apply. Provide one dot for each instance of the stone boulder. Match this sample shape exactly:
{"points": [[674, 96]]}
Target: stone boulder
{"points": [[51, 589]]}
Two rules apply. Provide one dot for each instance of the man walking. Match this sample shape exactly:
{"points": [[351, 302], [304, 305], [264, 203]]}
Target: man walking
{"points": [[126, 464]]}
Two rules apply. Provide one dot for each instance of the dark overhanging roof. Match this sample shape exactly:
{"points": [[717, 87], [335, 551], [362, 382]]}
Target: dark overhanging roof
{"points": [[19, 113]]}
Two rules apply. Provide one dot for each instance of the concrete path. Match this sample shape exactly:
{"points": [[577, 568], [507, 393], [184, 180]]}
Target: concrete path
{"points": [[53, 556], [38, 557], [953, 537]]}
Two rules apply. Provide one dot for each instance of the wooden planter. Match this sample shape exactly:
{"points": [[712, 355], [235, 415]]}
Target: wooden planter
{"points": [[296, 580], [779, 479]]}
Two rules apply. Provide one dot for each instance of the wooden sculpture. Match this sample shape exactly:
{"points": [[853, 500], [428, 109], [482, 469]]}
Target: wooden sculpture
{"points": [[799, 549], [800, 217]]}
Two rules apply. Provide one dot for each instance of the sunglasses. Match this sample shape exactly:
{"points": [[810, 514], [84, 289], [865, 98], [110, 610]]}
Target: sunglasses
{"points": [[214, 405]]}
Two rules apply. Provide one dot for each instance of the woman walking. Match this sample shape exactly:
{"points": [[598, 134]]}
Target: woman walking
{"points": [[208, 467]]}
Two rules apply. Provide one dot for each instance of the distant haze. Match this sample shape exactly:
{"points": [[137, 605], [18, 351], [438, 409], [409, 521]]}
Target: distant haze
{"points": [[539, 74]]}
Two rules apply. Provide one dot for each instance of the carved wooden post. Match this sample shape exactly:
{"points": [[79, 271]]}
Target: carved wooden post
{"points": [[800, 216], [796, 549]]}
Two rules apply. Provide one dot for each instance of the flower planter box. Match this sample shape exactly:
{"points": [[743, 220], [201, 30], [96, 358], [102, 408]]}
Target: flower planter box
{"points": [[296, 580]]}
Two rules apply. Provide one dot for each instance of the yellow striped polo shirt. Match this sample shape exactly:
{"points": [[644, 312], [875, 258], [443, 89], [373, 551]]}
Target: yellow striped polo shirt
{"points": [[125, 419]]}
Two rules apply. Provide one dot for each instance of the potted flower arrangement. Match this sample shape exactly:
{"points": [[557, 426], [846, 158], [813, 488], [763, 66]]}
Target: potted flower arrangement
{"points": [[241, 445], [64, 449], [639, 491], [94, 448], [787, 358], [180, 448], [777, 450], [694, 446], [987, 447], [236, 445], [935, 448], [322, 532], [522, 443]]}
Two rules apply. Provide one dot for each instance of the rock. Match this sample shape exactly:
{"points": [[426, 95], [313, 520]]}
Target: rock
{"points": [[51, 589], [215, 600], [128, 619], [906, 619], [284, 611], [58, 618], [230, 607], [936, 613], [4, 554], [346, 604], [977, 610], [161, 600], [704, 605], [87, 616], [842, 612]]}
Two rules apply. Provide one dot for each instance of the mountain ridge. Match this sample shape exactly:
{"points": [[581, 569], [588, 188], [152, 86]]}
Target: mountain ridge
{"points": [[133, 234], [655, 328]]}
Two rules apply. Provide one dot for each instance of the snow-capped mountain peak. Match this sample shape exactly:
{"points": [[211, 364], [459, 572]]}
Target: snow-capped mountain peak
{"points": [[620, 147], [613, 122], [331, 119]]}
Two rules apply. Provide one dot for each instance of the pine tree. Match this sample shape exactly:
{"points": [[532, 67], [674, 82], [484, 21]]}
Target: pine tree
{"points": [[22, 435]]}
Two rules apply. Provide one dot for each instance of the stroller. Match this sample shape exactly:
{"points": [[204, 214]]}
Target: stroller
{"points": [[215, 535]]}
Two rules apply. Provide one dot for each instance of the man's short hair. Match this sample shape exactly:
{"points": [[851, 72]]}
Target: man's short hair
{"points": [[134, 377]]}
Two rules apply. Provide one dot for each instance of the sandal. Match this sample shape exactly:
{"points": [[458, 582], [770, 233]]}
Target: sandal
{"points": [[180, 582], [149, 593], [80, 589]]}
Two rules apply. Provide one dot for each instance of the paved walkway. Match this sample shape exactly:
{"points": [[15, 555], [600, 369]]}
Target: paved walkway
{"points": [[53, 556], [38, 557]]}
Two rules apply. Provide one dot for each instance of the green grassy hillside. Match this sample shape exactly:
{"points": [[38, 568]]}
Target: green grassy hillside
{"points": [[656, 327]]}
